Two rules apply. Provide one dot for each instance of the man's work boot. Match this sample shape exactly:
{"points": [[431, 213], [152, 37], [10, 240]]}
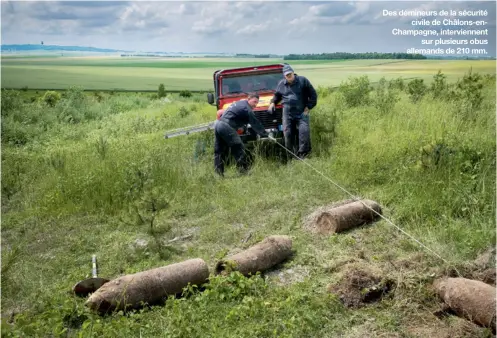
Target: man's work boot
{"points": [[244, 172], [219, 171], [243, 167], [219, 164], [303, 155]]}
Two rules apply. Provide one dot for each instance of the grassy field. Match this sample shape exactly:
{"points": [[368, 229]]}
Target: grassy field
{"points": [[110, 73], [81, 177]]}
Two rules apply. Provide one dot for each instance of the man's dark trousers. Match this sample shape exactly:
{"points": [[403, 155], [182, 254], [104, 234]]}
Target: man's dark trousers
{"points": [[226, 138], [297, 133]]}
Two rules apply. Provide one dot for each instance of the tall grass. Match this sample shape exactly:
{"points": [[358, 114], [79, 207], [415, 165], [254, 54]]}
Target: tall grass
{"points": [[81, 172]]}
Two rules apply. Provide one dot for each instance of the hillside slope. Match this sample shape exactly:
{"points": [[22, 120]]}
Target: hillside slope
{"points": [[85, 175]]}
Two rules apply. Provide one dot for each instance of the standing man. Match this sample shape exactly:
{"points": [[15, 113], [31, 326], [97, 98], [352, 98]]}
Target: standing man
{"points": [[299, 97], [236, 116]]}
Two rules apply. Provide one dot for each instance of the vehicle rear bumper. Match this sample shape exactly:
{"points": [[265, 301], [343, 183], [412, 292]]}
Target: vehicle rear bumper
{"points": [[251, 135]]}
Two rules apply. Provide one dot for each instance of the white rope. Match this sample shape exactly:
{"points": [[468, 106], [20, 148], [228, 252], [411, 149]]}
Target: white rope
{"points": [[356, 199]]}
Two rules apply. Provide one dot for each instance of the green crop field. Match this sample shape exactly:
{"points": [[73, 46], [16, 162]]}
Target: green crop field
{"points": [[195, 74], [90, 173]]}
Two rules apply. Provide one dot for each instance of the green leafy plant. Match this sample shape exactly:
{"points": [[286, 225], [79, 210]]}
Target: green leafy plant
{"points": [[185, 93], [51, 98], [356, 91], [439, 85], [385, 98], [416, 89], [161, 91]]}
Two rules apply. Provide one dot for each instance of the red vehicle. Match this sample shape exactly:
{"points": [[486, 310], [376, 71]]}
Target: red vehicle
{"points": [[234, 84]]}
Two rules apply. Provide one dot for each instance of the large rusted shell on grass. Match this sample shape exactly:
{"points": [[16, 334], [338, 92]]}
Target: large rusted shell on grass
{"points": [[148, 287], [468, 298], [258, 258], [342, 216]]}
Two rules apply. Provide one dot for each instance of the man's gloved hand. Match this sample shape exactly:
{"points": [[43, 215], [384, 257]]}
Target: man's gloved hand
{"points": [[270, 109], [262, 135]]}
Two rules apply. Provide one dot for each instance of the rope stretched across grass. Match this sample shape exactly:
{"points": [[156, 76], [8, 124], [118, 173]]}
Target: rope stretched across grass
{"points": [[354, 198]]}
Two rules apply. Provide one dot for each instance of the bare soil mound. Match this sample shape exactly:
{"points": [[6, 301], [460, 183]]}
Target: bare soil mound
{"points": [[360, 285]]}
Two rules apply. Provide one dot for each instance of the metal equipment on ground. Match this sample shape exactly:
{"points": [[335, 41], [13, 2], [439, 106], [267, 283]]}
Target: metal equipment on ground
{"points": [[89, 285]]}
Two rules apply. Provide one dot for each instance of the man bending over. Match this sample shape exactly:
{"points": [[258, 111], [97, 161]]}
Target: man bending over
{"points": [[236, 116]]}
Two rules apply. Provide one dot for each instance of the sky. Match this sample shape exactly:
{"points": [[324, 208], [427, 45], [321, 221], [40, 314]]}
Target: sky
{"points": [[259, 27]]}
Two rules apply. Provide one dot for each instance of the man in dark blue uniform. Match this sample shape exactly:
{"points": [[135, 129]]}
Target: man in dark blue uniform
{"points": [[236, 116], [298, 97]]}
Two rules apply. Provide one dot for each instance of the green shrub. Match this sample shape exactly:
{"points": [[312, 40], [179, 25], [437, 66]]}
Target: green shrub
{"points": [[356, 91], [183, 112], [11, 100], [51, 98], [489, 78], [185, 93], [439, 85], [416, 89], [162, 91], [24, 122], [397, 83], [385, 98], [98, 96], [469, 91], [324, 92], [435, 154], [76, 96], [15, 133]]}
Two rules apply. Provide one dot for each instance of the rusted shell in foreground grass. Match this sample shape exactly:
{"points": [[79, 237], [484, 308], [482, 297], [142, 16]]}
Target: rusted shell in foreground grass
{"points": [[468, 298], [148, 287]]}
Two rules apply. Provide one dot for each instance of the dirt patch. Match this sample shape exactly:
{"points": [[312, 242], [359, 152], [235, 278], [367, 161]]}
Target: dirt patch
{"points": [[360, 285]]}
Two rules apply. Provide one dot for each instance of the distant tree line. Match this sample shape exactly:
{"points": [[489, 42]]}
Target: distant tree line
{"points": [[147, 55], [342, 56], [262, 56]]}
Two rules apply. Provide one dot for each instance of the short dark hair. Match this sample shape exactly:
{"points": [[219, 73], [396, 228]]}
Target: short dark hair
{"points": [[252, 95]]}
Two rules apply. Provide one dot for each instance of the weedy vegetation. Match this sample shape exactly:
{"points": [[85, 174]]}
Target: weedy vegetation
{"points": [[87, 174]]}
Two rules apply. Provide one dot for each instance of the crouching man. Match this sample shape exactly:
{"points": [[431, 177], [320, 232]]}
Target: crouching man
{"points": [[298, 97], [236, 116]]}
